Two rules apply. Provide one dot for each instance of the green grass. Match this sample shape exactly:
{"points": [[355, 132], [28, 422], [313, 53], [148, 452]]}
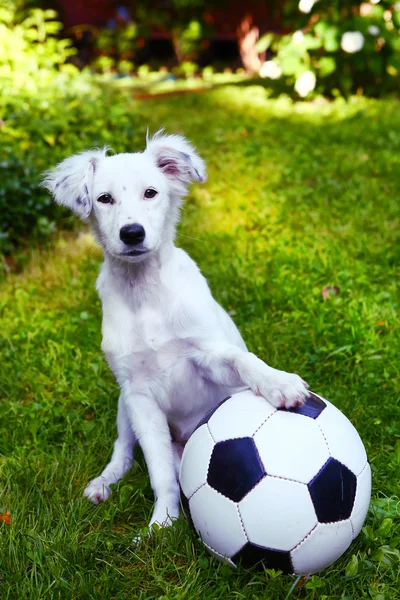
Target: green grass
{"points": [[299, 197]]}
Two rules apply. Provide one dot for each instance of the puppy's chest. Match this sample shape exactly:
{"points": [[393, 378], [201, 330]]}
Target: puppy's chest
{"points": [[128, 331], [144, 347], [149, 330]]}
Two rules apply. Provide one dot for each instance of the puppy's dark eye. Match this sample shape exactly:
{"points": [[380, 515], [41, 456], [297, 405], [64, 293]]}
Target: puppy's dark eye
{"points": [[150, 193], [105, 199]]}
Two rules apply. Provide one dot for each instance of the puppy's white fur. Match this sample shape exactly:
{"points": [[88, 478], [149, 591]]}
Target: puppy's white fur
{"points": [[173, 350]]}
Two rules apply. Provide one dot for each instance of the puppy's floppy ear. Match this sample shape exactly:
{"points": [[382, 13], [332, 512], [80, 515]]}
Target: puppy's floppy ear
{"points": [[71, 181], [176, 158]]}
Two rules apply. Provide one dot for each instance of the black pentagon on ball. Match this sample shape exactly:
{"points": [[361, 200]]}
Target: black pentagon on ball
{"points": [[235, 467], [333, 491], [312, 407], [253, 555]]}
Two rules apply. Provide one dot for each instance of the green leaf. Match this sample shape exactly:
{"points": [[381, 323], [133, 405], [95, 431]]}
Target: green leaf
{"points": [[385, 507], [311, 42], [125, 494], [203, 562], [291, 64], [329, 35], [273, 574], [314, 583], [385, 528], [387, 556], [50, 139], [35, 557], [352, 567], [265, 42], [327, 65]]}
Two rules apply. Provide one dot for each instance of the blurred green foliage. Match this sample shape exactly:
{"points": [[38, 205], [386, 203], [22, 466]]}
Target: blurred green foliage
{"points": [[43, 103], [116, 48], [41, 130], [347, 46], [33, 77], [116, 45], [182, 18], [30, 48]]}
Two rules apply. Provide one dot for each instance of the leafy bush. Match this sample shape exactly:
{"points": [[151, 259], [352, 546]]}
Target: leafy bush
{"points": [[30, 50], [39, 132], [24, 210], [32, 67], [183, 19], [337, 47], [116, 47], [43, 106]]}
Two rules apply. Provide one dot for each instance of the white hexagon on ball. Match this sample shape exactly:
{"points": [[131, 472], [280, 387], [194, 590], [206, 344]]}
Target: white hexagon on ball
{"points": [[277, 513], [342, 438], [322, 547], [291, 446], [361, 502], [217, 520], [250, 412], [193, 472]]}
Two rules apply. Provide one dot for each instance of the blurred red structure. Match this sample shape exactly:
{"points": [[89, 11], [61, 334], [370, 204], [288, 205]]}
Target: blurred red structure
{"points": [[232, 32], [224, 23], [264, 15], [89, 12]]}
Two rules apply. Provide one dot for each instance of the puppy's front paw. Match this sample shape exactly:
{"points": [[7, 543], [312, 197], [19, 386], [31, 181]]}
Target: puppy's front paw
{"points": [[97, 490], [281, 389], [163, 516], [165, 513]]}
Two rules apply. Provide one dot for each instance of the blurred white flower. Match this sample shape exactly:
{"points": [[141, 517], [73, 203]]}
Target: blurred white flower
{"points": [[387, 15], [352, 41], [305, 6], [270, 69], [375, 1], [305, 83], [373, 30], [366, 9], [397, 6], [298, 37]]}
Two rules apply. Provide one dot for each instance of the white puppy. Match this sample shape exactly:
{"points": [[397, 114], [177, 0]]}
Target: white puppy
{"points": [[173, 350]]}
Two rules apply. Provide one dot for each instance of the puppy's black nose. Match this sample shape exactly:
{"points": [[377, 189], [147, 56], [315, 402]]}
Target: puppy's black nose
{"points": [[132, 234]]}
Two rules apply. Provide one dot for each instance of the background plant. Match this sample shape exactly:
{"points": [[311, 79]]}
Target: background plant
{"points": [[338, 47], [183, 19], [43, 102], [117, 45], [30, 48]]}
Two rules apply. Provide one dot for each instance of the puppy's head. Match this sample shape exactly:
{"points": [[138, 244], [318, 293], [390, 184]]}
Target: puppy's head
{"points": [[131, 200]]}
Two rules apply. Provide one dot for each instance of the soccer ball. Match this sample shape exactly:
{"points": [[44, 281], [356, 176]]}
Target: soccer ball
{"points": [[285, 488]]}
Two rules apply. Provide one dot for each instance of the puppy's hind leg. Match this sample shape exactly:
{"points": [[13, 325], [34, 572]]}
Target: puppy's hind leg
{"points": [[99, 489]]}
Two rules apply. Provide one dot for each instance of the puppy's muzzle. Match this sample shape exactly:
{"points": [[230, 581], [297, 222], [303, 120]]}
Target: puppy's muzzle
{"points": [[132, 234]]}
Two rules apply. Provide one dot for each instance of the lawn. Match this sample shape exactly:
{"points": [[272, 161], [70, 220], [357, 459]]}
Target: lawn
{"points": [[301, 199]]}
